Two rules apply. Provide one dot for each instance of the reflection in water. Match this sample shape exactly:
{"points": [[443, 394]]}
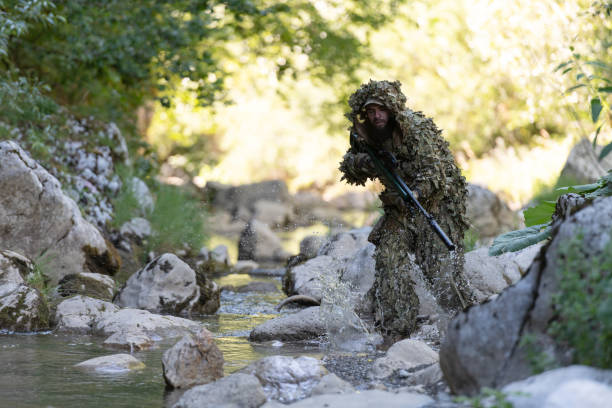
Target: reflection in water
{"points": [[38, 369]]}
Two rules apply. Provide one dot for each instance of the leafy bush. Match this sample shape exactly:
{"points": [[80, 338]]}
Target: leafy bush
{"points": [[584, 303], [178, 219], [538, 218]]}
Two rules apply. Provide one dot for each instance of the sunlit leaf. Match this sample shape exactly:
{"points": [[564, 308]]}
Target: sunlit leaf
{"points": [[595, 138], [605, 151], [584, 188], [539, 214], [573, 88], [517, 240], [562, 65], [595, 109]]}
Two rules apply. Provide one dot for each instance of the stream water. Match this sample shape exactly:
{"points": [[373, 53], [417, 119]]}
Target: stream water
{"points": [[37, 370]]}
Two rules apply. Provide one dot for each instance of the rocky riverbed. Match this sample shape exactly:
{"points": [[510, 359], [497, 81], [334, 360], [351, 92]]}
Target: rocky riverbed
{"points": [[272, 325]]}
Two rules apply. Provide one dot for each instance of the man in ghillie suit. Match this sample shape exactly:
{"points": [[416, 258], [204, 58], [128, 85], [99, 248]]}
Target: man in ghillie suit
{"points": [[412, 263]]}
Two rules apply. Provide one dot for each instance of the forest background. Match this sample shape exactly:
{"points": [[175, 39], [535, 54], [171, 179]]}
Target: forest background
{"points": [[240, 91]]}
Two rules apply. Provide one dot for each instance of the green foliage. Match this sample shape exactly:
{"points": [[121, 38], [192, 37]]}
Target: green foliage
{"points": [[470, 239], [178, 220], [38, 278], [538, 359], [488, 398], [125, 204], [583, 303], [539, 214], [593, 71], [516, 240]]}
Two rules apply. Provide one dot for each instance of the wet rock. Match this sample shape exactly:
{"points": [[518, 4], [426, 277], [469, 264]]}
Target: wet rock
{"points": [[363, 399], [582, 165], [117, 363], [488, 214], [236, 390], [93, 285], [132, 341], [332, 384], [345, 245], [359, 274], [287, 379], [33, 201], [260, 244], [568, 387], [166, 285], [136, 322], [404, 355], [137, 229], [22, 309], [482, 346], [489, 275], [307, 278], [80, 314], [194, 360], [303, 325], [309, 246]]}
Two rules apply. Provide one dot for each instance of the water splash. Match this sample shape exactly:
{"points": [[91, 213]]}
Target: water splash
{"points": [[345, 330]]}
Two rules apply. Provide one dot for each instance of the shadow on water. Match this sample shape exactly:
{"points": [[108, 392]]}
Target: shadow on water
{"points": [[38, 369]]}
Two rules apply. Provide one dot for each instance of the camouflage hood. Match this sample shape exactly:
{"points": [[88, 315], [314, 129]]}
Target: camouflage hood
{"points": [[388, 93]]}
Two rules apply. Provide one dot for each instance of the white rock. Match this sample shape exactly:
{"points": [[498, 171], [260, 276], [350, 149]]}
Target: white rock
{"points": [[139, 228], [362, 399], [81, 313], [237, 390], [143, 195], [332, 384], [407, 355], [166, 285], [287, 379], [117, 363], [141, 321], [32, 201]]}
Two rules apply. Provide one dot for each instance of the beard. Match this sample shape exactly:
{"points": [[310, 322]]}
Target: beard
{"points": [[379, 135]]}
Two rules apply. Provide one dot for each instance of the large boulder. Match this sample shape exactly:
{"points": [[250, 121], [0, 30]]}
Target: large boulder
{"points": [[582, 165], [488, 214], [194, 360], [363, 399], [138, 329], [236, 390], [489, 275], [303, 325], [258, 243], [167, 285], [404, 355], [489, 344], [567, 387], [32, 202], [272, 213], [79, 314], [287, 379], [22, 308], [88, 284]]}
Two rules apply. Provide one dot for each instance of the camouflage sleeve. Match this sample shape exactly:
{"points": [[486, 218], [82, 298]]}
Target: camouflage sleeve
{"points": [[356, 167], [427, 177]]}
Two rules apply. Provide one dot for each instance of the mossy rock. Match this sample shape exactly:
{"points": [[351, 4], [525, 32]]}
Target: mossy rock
{"points": [[87, 284]]}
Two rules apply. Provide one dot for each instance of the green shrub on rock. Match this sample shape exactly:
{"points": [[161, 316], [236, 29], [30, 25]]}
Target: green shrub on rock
{"points": [[584, 303]]}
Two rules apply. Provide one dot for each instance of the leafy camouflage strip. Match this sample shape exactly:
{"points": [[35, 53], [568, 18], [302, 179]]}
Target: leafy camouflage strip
{"points": [[427, 166]]}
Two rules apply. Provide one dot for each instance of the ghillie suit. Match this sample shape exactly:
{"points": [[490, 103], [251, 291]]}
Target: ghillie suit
{"points": [[405, 242]]}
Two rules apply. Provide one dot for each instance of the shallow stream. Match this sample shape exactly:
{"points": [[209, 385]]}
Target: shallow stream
{"points": [[38, 369]]}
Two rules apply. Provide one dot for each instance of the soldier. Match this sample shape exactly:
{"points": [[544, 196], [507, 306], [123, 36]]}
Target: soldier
{"points": [[411, 262]]}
